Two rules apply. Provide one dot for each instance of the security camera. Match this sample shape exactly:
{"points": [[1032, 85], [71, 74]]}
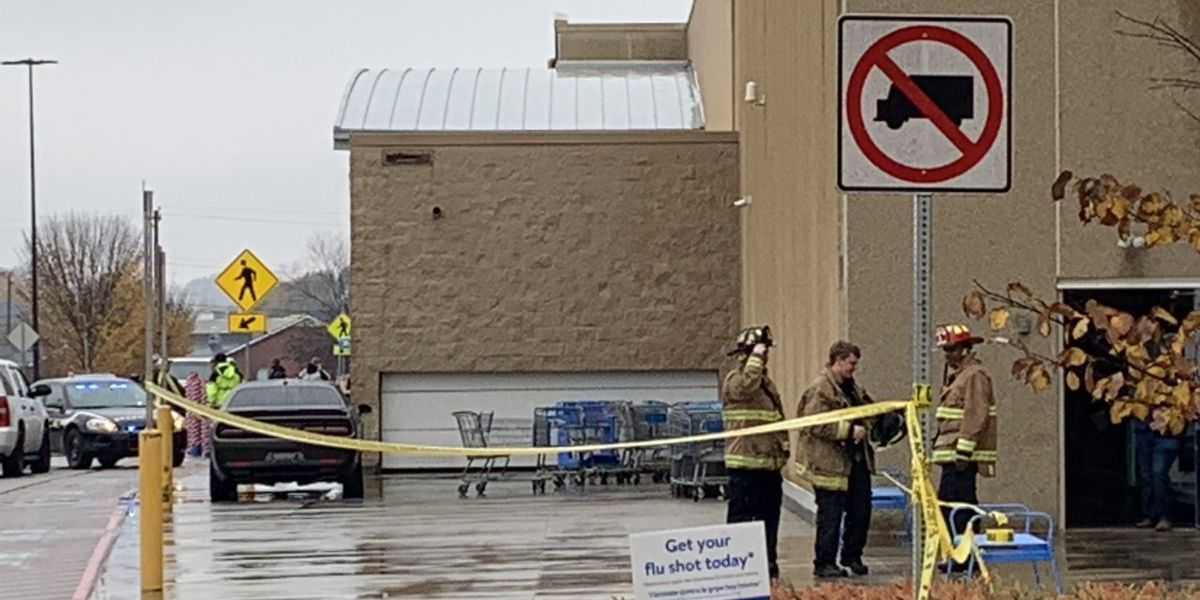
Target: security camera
{"points": [[752, 94], [437, 212], [743, 201]]}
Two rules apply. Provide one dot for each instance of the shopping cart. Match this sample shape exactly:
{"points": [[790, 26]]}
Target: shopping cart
{"points": [[475, 429], [640, 422], [548, 421], [697, 468], [584, 423]]}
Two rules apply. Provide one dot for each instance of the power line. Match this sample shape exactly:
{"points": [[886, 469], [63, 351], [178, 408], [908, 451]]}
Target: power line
{"points": [[268, 220]]}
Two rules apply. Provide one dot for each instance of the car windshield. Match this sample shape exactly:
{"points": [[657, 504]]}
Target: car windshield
{"points": [[105, 394], [283, 396]]}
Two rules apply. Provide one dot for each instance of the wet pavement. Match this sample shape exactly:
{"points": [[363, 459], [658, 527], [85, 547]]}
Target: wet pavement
{"points": [[412, 537], [50, 524]]}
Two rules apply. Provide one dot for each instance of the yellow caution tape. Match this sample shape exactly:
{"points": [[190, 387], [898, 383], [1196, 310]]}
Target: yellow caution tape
{"points": [[938, 543], [331, 441]]}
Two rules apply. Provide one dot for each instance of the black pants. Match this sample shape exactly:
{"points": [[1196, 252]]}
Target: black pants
{"points": [[757, 495], [854, 507], [959, 486]]}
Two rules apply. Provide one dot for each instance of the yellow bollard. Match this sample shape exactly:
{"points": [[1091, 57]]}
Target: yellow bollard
{"points": [[150, 518], [166, 426]]}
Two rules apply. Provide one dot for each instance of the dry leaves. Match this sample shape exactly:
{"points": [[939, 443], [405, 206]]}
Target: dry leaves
{"points": [[999, 318], [1142, 370]]}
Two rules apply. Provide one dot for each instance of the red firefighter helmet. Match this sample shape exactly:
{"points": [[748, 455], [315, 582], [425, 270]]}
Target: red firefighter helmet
{"points": [[955, 334]]}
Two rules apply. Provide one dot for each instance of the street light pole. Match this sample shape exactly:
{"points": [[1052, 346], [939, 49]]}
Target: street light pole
{"points": [[29, 64]]}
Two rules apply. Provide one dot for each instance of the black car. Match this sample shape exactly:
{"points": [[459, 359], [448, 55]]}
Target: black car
{"points": [[240, 456], [99, 417]]}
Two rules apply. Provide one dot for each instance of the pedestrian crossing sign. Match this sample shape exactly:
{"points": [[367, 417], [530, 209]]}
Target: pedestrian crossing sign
{"points": [[247, 280], [340, 327]]}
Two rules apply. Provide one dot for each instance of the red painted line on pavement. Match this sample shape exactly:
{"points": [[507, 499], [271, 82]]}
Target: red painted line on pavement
{"points": [[87, 583]]}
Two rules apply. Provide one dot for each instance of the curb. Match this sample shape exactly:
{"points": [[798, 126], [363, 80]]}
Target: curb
{"points": [[87, 583]]}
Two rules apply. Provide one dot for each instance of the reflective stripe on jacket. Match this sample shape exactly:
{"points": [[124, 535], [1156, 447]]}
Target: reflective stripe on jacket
{"points": [[749, 399], [967, 418]]}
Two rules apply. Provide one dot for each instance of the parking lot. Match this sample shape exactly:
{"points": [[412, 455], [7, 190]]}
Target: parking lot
{"points": [[412, 537]]}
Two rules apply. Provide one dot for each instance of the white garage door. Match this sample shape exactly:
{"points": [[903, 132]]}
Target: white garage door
{"points": [[416, 408]]}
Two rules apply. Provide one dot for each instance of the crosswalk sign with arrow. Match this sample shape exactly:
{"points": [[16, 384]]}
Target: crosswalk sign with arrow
{"points": [[247, 323]]}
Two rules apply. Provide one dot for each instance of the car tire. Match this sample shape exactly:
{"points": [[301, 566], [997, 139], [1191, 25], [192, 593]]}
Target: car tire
{"points": [[73, 448], [108, 462], [352, 484], [14, 464], [42, 464], [220, 490]]}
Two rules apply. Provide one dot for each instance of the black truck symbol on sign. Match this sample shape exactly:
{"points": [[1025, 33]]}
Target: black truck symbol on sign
{"points": [[953, 94]]}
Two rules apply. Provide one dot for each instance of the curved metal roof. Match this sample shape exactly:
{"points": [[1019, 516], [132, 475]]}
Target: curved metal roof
{"points": [[586, 96]]}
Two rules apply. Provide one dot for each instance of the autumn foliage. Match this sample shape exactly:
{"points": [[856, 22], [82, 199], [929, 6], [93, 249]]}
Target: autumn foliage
{"points": [[1156, 216], [1136, 364]]}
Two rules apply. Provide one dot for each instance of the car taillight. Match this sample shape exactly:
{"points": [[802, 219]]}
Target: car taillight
{"points": [[5, 420]]}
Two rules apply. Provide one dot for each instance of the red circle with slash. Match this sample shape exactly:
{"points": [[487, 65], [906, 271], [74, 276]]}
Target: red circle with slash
{"points": [[877, 57]]}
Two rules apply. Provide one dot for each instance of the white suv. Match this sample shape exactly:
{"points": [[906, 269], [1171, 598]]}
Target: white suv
{"points": [[24, 429]]}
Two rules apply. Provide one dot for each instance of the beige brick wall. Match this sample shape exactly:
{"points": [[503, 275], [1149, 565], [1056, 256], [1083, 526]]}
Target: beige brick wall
{"points": [[550, 256]]}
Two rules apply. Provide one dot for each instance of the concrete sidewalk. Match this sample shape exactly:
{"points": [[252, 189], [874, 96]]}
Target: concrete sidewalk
{"points": [[50, 524]]}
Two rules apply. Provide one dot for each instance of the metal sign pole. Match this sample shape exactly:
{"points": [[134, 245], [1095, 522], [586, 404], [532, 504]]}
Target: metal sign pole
{"points": [[922, 325], [148, 295]]}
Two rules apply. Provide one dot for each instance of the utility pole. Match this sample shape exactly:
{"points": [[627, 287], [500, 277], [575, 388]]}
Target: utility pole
{"points": [[161, 278], [148, 293], [8, 307], [160, 288], [29, 64]]}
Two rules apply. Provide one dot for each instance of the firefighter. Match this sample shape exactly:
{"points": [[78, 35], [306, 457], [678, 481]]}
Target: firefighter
{"points": [[749, 398], [837, 461], [965, 446]]}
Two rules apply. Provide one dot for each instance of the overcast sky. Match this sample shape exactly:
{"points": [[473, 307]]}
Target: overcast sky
{"points": [[225, 108]]}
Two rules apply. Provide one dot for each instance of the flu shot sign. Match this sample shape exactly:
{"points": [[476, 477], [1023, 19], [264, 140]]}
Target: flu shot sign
{"points": [[723, 562]]}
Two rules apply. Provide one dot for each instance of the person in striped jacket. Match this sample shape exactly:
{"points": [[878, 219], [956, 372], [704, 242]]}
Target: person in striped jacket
{"points": [[749, 398], [965, 445]]}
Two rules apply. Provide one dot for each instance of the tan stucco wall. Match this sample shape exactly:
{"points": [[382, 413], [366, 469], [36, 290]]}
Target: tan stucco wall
{"points": [[1109, 122], [993, 238], [568, 254], [790, 230], [1112, 123], [710, 48]]}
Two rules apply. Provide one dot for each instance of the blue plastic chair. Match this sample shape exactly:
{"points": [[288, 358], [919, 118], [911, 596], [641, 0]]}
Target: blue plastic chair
{"points": [[1026, 546]]}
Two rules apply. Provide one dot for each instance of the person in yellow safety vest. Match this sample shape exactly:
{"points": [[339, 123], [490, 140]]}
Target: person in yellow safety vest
{"points": [[224, 378], [965, 445], [749, 398]]}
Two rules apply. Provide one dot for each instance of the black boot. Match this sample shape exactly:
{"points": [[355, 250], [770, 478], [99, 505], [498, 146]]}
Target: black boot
{"points": [[857, 567], [829, 572]]}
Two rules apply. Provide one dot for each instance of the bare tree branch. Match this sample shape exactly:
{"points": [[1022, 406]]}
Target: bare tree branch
{"points": [[81, 261], [324, 276]]}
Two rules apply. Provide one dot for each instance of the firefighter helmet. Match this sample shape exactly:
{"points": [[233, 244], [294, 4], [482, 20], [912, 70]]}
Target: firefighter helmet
{"points": [[955, 334], [750, 337]]}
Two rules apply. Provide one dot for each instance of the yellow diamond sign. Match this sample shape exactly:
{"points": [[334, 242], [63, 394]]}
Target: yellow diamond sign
{"points": [[339, 328], [247, 280]]}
